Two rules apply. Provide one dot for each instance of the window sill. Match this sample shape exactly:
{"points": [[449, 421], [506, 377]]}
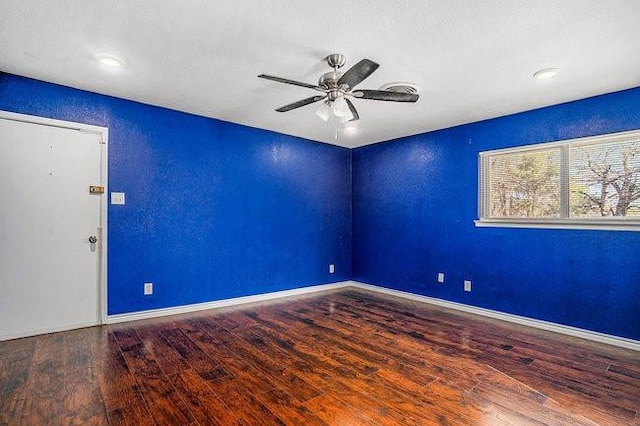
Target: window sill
{"points": [[603, 225]]}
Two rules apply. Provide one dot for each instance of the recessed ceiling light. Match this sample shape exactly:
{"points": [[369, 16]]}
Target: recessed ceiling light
{"points": [[110, 61], [546, 73]]}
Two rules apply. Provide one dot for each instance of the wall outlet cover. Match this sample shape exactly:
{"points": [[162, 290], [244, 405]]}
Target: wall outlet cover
{"points": [[117, 198], [148, 289], [467, 285], [440, 277]]}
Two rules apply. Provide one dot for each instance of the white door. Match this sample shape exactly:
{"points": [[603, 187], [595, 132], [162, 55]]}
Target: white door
{"points": [[49, 270]]}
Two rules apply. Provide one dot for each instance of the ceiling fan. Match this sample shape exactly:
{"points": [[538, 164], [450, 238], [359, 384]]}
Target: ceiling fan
{"points": [[337, 87]]}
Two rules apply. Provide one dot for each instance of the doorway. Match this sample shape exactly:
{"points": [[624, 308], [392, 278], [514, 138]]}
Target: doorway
{"points": [[52, 225]]}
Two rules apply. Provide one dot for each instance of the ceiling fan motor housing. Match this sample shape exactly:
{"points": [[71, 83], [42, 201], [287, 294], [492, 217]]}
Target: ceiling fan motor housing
{"points": [[329, 81]]}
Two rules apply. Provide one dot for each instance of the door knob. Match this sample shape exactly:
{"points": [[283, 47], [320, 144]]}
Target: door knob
{"points": [[93, 239]]}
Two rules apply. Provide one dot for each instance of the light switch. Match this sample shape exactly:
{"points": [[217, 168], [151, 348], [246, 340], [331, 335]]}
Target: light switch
{"points": [[117, 198]]}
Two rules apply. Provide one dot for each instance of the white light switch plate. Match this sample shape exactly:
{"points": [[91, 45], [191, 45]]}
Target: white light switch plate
{"points": [[467, 285], [440, 277], [148, 289], [332, 268], [117, 198]]}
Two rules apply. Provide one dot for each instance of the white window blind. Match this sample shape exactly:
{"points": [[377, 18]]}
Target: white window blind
{"points": [[605, 179], [590, 182], [525, 184]]}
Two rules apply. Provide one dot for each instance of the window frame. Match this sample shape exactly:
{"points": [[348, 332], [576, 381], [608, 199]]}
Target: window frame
{"points": [[564, 221]]}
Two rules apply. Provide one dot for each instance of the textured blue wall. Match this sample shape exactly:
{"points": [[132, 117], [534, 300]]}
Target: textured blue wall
{"points": [[217, 210], [214, 210], [415, 200]]}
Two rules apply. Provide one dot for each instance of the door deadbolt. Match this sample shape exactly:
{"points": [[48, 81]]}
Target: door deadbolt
{"points": [[93, 239]]}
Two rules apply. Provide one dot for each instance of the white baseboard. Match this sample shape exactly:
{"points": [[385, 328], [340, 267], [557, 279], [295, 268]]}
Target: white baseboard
{"points": [[530, 322], [134, 316]]}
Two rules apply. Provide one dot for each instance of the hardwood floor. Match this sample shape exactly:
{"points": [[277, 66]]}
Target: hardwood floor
{"points": [[343, 358]]}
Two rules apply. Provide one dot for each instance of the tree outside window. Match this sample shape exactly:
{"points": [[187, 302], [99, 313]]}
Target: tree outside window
{"points": [[605, 180], [525, 185]]}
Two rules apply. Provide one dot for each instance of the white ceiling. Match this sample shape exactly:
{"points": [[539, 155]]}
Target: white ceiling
{"points": [[472, 59]]}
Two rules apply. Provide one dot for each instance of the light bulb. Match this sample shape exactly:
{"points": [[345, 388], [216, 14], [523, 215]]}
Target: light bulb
{"points": [[346, 118], [323, 111], [340, 108]]}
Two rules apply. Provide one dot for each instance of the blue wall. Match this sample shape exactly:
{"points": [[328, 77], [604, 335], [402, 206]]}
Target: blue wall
{"points": [[218, 210], [415, 200], [214, 210]]}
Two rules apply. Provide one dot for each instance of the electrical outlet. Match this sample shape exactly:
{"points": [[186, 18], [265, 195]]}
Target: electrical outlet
{"points": [[148, 289], [467, 285], [332, 268], [441, 277]]}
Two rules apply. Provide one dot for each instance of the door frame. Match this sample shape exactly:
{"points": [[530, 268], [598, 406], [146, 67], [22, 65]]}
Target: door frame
{"points": [[103, 134]]}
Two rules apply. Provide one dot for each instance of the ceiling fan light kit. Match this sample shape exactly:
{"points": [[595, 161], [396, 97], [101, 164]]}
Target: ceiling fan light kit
{"points": [[323, 111], [339, 108], [337, 87]]}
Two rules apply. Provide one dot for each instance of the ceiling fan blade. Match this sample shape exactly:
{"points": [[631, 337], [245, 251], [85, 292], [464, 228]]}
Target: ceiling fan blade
{"points": [[287, 81], [358, 73], [301, 103], [353, 110], [385, 95]]}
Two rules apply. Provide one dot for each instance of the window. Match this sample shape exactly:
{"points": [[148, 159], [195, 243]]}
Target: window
{"points": [[580, 183]]}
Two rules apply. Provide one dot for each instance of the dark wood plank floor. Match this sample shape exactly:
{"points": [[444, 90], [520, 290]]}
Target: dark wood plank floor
{"points": [[343, 358]]}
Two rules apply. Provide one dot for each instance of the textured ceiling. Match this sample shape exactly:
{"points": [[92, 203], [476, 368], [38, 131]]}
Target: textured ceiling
{"points": [[472, 59]]}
